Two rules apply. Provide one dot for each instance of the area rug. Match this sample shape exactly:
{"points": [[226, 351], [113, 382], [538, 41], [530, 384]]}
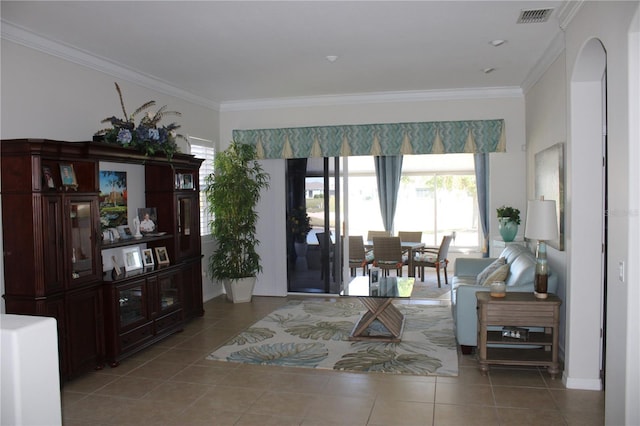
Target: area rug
{"points": [[429, 291], [314, 334]]}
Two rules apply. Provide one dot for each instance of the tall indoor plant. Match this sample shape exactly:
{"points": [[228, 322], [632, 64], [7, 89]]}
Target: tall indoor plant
{"points": [[233, 191]]}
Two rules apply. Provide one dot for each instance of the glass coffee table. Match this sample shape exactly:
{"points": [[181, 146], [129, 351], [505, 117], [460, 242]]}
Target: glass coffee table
{"points": [[377, 297]]}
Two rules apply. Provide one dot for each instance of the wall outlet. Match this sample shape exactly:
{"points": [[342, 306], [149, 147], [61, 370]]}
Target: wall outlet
{"points": [[621, 271]]}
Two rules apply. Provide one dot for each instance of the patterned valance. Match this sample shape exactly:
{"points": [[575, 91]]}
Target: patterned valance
{"points": [[436, 137]]}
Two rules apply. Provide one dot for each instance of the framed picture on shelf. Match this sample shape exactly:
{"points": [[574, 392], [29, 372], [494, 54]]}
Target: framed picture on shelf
{"points": [[132, 258], [162, 255], [68, 176], [47, 178], [187, 181], [148, 220], [178, 183], [124, 232], [147, 258]]}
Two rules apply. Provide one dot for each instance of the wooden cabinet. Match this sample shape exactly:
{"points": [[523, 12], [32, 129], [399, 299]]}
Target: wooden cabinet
{"points": [[142, 309], [53, 247], [518, 310]]}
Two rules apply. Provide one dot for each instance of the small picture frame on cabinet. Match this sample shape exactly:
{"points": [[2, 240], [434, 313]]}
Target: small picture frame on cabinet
{"points": [[187, 181], [132, 258], [68, 176], [147, 258], [162, 255], [178, 183], [47, 178]]}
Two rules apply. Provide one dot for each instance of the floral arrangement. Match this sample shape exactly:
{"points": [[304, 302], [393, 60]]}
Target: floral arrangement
{"points": [[147, 136], [510, 213], [299, 224]]}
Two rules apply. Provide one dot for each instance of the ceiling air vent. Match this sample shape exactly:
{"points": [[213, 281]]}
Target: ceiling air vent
{"points": [[534, 16]]}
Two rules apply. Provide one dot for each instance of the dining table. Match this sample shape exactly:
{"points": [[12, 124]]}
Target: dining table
{"points": [[408, 246]]}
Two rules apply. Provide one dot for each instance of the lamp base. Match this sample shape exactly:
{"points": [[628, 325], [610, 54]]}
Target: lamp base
{"points": [[540, 295]]}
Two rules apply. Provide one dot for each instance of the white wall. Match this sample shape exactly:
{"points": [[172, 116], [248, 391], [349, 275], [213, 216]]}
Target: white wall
{"points": [[43, 96], [508, 171], [546, 125], [613, 24]]}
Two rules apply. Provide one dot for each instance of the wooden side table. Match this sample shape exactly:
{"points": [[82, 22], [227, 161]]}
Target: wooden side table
{"points": [[518, 310]]}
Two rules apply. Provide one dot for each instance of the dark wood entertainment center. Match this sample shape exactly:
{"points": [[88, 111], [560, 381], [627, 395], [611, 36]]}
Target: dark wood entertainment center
{"points": [[53, 247]]}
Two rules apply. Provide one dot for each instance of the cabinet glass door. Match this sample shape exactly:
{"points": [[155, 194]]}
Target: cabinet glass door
{"points": [[188, 225], [131, 305], [168, 291], [82, 250]]}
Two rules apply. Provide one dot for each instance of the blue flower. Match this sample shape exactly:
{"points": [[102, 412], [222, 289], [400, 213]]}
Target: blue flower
{"points": [[124, 136], [154, 134]]}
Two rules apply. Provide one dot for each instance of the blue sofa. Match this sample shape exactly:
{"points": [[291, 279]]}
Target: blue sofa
{"points": [[522, 265]]}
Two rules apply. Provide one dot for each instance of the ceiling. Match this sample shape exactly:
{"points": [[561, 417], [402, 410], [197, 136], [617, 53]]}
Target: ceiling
{"points": [[229, 51]]}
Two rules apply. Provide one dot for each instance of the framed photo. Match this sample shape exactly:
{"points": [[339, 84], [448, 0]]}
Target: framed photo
{"points": [[147, 257], [47, 178], [187, 181], [178, 183], [124, 232], [68, 176], [132, 258], [148, 220], [162, 255]]}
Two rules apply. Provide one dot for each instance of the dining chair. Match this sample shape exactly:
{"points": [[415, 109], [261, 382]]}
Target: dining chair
{"points": [[433, 257], [326, 256], [372, 234], [358, 256], [388, 254], [409, 237]]}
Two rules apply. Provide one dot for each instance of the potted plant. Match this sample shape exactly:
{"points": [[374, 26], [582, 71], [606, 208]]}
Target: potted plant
{"points": [[233, 191], [508, 221], [299, 226]]}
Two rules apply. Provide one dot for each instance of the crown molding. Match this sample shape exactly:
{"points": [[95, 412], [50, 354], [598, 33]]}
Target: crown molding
{"points": [[370, 98], [567, 12], [554, 50], [34, 41], [72, 54]]}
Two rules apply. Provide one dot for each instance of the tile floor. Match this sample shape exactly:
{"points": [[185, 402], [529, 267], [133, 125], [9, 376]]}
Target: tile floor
{"points": [[171, 383]]}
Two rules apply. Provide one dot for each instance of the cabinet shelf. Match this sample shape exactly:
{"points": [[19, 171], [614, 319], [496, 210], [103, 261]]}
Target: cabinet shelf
{"points": [[535, 338], [134, 241]]}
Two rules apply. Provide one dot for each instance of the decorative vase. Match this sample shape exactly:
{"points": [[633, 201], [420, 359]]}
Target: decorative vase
{"points": [[301, 255], [508, 229], [239, 290]]}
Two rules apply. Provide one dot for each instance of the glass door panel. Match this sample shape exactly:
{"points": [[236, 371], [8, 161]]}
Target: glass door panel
{"points": [[168, 291], [82, 250], [131, 304]]}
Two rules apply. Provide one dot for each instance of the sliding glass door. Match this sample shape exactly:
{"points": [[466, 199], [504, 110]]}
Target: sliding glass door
{"points": [[314, 264]]}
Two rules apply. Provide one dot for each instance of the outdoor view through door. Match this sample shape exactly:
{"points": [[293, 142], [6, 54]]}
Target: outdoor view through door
{"points": [[437, 196]]}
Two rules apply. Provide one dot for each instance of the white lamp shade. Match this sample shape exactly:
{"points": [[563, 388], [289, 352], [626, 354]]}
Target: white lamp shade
{"points": [[542, 221]]}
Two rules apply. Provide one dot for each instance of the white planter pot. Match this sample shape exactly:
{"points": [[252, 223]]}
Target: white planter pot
{"points": [[240, 290]]}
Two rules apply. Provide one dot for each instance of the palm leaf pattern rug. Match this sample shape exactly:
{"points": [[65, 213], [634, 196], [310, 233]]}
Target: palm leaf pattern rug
{"points": [[315, 334]]}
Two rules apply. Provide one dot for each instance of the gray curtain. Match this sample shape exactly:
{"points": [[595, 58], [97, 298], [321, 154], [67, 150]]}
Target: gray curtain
{"points": [[481, 162], [388, 172]]}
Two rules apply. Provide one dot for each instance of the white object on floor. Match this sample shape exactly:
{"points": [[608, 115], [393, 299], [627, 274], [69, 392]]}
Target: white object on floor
{"points": [[30, 385]]}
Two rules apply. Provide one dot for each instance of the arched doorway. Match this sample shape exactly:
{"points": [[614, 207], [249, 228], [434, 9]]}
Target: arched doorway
{"points": [[587, 167]]}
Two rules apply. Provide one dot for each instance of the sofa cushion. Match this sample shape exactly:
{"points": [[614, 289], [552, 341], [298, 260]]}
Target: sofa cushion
{"points": [[486, 272], [499, 274]]}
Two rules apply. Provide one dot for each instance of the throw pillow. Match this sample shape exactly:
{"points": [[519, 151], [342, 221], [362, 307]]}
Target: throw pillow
{"points": [[482, 276], [499, 274]]}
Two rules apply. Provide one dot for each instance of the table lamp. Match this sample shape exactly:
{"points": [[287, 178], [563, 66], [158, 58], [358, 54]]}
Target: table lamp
{"points": [[542, 225]]}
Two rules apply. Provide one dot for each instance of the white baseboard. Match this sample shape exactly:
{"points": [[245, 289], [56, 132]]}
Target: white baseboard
{"points": [[583, 384]]}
